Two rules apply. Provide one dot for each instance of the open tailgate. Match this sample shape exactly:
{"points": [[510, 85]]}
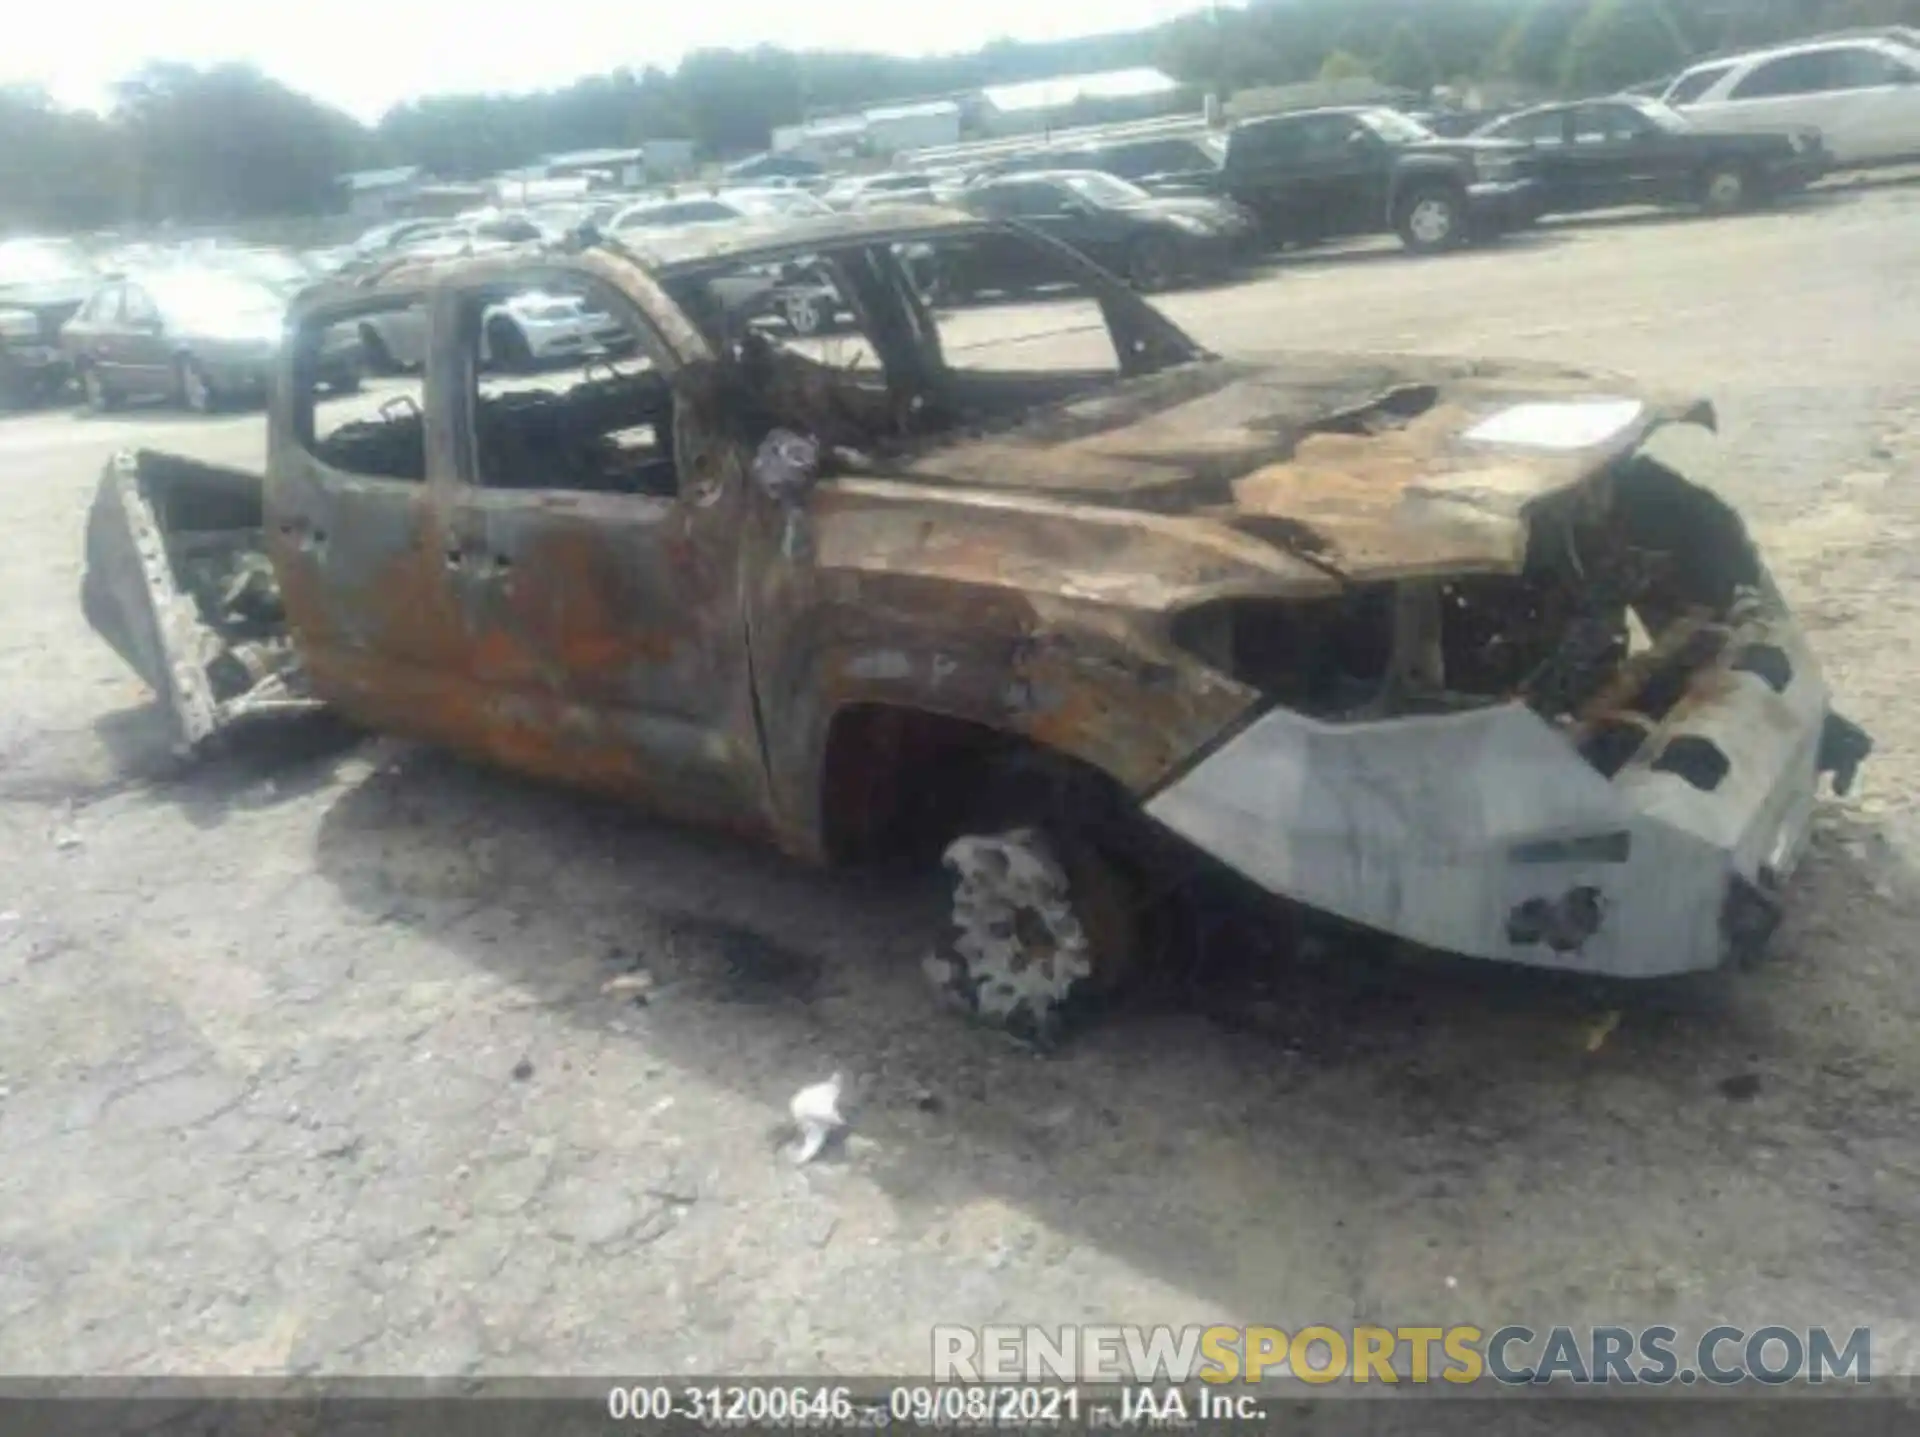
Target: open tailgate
{"points": [[177, 580]]}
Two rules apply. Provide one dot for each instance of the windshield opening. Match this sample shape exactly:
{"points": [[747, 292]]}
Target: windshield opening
{"points": [[871, 347]]}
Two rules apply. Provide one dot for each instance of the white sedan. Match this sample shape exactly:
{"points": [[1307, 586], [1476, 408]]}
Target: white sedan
{"points": [[527, 330]]}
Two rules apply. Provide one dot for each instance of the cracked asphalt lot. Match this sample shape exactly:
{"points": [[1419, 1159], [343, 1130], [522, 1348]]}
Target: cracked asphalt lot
{"points": [[306, 1063]]}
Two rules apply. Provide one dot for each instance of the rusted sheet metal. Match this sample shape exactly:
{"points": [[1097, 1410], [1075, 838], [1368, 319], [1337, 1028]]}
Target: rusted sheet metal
{"points": [[860, 584], [1074, 674], [1428, 499], [1042, 546]]}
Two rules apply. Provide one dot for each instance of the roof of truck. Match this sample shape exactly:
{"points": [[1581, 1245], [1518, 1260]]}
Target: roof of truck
{"points": [[685, 247]]}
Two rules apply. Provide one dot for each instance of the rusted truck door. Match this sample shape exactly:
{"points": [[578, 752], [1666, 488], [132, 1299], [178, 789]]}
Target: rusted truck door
{"points": [[599, 594], [354, 537]]}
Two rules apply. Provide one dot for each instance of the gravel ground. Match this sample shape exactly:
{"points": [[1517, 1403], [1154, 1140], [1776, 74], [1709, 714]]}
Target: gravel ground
{"points": [[305, 1061]]}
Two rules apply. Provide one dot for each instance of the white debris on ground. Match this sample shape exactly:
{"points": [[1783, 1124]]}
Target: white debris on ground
{"points": [[816, 1113]]}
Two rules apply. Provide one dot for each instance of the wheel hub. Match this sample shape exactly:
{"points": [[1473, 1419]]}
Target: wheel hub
{"points": [[1019, 943], [1431, 220]]}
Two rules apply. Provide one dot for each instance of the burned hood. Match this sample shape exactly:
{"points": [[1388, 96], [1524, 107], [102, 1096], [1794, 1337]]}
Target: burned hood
{"points": [[1292, 475]]}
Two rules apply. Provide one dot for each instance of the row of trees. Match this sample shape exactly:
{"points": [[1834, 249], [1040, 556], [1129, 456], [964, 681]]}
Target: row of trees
{"points": [[229, 143]]}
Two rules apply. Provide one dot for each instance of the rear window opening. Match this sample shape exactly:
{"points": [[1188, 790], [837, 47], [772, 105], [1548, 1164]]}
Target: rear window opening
{"points": [[565, 391], [359, 392], [165, 529]]}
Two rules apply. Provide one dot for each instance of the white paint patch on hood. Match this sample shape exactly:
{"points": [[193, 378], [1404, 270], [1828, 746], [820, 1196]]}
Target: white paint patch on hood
{"points": [[1559, 424]]}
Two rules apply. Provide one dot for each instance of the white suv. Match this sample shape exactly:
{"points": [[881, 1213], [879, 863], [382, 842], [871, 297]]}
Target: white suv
{"points": [[1862, 95]]}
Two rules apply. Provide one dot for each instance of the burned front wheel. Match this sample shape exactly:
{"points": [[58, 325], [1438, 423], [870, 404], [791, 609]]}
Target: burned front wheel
{"points": [[1042, 922]]}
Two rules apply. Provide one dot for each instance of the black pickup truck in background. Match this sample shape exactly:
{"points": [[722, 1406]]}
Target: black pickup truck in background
{"points": [[1628, 150], [1320, 174]]}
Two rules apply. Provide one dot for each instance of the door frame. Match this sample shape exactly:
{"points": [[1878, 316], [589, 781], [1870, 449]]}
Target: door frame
{"points": [[355, 552], [661, 712]]}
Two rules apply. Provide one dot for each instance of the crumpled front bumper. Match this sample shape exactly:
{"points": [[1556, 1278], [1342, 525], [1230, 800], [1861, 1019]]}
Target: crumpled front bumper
{"points": [[1490, 833]]}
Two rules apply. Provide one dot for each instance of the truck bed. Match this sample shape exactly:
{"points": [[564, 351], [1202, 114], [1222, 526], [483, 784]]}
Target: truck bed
{"points": [[177, 580]]}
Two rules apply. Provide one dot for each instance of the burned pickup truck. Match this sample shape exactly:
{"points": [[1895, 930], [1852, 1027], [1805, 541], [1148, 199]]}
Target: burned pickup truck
{"points": [[1432, 646]]}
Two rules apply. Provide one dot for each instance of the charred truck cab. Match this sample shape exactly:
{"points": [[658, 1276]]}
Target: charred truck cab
{"points": [[1433, 646]]}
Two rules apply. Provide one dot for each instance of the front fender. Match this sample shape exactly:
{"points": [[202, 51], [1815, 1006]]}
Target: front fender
{"points": [[1097, 684]]}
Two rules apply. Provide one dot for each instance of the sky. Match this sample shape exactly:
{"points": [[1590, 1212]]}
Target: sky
{"points": [[366, 55]]}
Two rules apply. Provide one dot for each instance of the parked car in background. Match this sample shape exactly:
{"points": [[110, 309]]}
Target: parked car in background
{"points": [[865, 192], [42, 283], [561, 217], [524, 332], [285, 270], [770, 168], [1601, 153], [195, 335], [477, 233], [1456, 124], [471, 234], [773, 202], [672, 214], [797, 292], [1178, 164], [1318, 174], [388, 237], [1153, 241], [722, 207], [1862, 95]]}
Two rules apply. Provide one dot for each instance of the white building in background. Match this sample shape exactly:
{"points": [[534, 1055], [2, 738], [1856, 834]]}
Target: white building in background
{"points": [[648, 162], [893, 128], [824, 139], [882, 132], [878, 133], [1043, 104], [376, 194]]}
